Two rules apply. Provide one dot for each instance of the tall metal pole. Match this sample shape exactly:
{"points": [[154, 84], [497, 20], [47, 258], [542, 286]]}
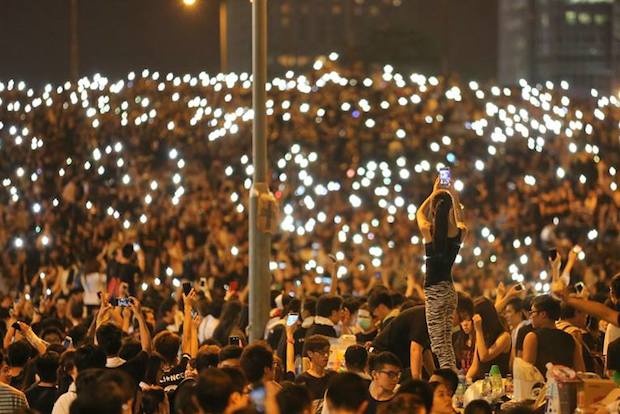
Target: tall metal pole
{"points": [[260, 241], [224, 36], [73, 40]]}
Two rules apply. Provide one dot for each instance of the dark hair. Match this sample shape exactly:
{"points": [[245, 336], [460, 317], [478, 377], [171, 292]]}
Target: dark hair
{"points": [[347, 391], [151, 399], [356, 358], [403, 404], [128, 250], [230, 352], [167, 306], [450, 378], [119, 377], [207, 357], [352, 304], [254, 360], [229, 320], [328, 304], [153, 369], [109, 338], [545, 303], [380, 298], [294, 305], [310, 305], [420, 389], [492, 325], [18, 353], [129, 349], [107, 400], [87, 379], [89, 356], [65, 366], [441, 205], [167, 345], [293, 398], [237, 378], [567, 311], [465, 305], [315, 343], [377, 361], [478, 407], [213, 390], [517, 304], [47, 366], [615, 287]]}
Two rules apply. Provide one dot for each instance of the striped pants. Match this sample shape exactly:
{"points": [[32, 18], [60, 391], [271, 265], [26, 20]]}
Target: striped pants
{"points": [[441, 301]]}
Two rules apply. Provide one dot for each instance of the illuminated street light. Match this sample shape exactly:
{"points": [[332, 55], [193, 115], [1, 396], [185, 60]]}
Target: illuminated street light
{"points": [[189, 2]]}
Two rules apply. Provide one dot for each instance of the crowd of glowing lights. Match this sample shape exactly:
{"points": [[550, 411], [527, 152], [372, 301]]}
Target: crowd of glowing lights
{"points": [[400, 128]]}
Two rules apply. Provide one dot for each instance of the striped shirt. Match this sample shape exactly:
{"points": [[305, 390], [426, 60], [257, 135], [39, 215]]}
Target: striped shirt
{"points": [[11, 399]]}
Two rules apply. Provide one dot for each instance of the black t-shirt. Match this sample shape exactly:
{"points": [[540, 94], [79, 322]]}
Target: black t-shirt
{"points": [[18, 380], [320, 329], [439, 265], [172, 377], [521, 334], [555, 346], [41, 399], [316, 386], [362, 337], [373, 405], [128, 273], [409, 326]]}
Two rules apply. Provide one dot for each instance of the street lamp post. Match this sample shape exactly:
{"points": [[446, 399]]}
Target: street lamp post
{"points": [[260, 241], [223, 36], [73, 40]]}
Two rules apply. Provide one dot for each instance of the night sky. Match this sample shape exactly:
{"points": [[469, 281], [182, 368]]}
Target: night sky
{"points": [[117, 36]]}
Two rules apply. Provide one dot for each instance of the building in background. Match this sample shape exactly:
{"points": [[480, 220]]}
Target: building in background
{"points": [[433, 37], [573, 40]]}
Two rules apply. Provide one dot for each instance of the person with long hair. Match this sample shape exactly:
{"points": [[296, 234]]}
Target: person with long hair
{"points": [[492, 340], [229, 323], [441, 224]]}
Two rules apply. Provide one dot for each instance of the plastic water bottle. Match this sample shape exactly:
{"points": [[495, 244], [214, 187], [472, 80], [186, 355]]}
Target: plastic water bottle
{"points": [[509, 387], [457, 401], [495, 377], [487, 388]]}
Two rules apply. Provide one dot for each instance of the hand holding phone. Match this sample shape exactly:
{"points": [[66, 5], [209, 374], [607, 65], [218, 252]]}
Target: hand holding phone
{"points": [[552, 253], [292, 318], [257, 396], [234, 340], [187, 287], [445, 178], [579, 287]]}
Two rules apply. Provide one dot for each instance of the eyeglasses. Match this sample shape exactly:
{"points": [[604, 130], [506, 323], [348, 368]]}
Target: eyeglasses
{"points": [[392, 374]]}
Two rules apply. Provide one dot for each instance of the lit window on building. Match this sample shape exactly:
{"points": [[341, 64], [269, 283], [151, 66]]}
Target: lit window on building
{"points": [[600, 19], [570, 16], [585, 18]]}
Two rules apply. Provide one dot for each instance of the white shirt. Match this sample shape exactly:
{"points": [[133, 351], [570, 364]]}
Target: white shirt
{"points": [[114, 362], [207, 327], [63, 403], [319, 320], [611, 334]]}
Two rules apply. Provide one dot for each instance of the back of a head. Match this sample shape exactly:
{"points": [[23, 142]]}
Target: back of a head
{"points": [[254, 360], [106, 400], [89, 357], [47, 366], [615, 288], [109, 338], [207, 357], [328, 304], [213, 390], [567, 311], [380, 298], [478, 407], [18, 353], [167, 345], [151, 400], [420, 389], [545, 303], [294, 399], [404, 404], [230, 352], [441, 205], [237, 377], [346, 391], [356, 358], [310, 306], [449, 378], [125, 383]]}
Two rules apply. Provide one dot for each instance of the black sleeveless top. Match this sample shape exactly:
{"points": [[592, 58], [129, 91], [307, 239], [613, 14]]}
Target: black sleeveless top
{"points": [[502, 361], [555, 346], [439, 265]]}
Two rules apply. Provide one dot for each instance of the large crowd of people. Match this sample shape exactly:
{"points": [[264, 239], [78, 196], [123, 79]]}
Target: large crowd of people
{"points": [[123, 228]]}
